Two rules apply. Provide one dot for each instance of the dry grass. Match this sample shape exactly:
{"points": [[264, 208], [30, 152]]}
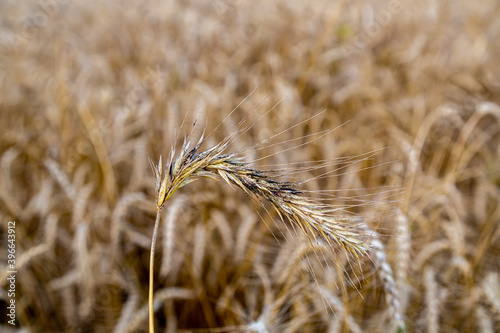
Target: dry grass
{"points": [[90, 91]]}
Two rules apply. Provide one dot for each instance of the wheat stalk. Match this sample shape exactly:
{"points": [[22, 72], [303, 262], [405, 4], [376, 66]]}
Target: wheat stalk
{"points": [[311, 216]]}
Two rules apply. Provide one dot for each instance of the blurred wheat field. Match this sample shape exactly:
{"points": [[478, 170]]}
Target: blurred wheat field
{"points": [[90, 90]]}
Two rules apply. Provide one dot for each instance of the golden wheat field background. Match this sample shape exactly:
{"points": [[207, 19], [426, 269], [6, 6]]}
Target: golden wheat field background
{"points": [[389, 110]]}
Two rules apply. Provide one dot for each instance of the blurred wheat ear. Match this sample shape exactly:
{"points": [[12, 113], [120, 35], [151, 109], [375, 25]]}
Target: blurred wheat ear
{"points": [[312, 217]]}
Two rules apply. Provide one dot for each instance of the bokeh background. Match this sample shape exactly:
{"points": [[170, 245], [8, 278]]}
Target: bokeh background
{"points": [[90, 89]]}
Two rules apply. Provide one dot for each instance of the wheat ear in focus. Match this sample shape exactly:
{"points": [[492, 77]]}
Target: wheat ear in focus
{"points": [[312, 217]]}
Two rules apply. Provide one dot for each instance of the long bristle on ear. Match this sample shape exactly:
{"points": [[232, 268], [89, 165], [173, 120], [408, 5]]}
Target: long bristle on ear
{"points": [[312, 217]]}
